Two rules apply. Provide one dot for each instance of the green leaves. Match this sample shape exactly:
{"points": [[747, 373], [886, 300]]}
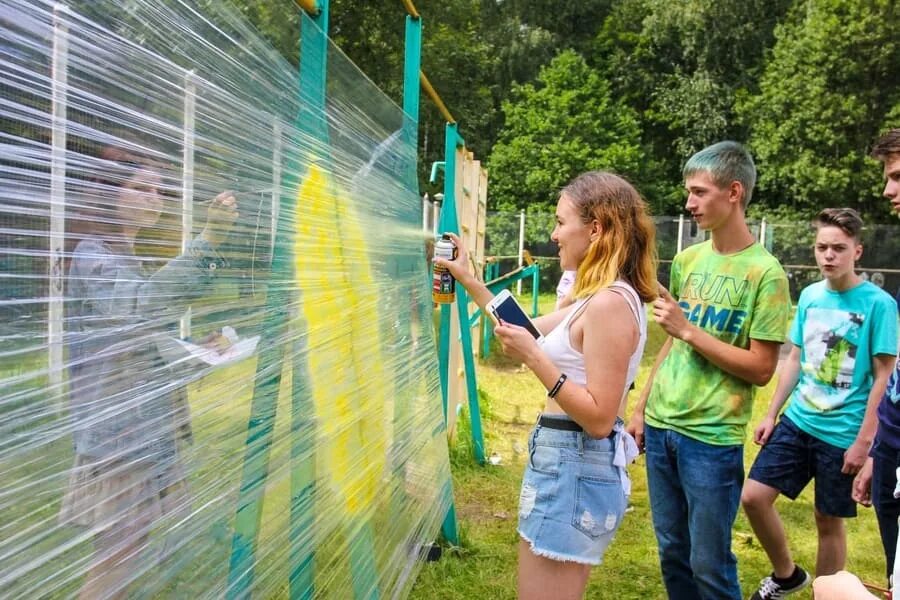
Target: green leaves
{"points": [[564, 124], [546, 89], [823, 97]]}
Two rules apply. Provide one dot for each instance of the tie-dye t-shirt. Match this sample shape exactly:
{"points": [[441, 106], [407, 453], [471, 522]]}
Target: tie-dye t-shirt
{"points": [[838, 334], [733, 297]]}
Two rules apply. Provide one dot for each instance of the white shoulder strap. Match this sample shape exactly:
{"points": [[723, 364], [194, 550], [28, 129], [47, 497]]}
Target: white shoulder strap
{"points": [[631, 297]]}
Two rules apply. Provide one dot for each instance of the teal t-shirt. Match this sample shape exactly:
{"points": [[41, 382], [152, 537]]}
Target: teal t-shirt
{"points": [[735, 298], [838, 334]]}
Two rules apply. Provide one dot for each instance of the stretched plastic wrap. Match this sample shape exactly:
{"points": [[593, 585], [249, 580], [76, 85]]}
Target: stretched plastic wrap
{"points": [[217, 364]]}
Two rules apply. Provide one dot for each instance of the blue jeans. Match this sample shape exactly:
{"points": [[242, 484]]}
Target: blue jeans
{"points": [[695, 491], [887, 508]]}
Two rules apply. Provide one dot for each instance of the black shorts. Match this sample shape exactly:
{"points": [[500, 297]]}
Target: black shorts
{"points": [[792, 457]]}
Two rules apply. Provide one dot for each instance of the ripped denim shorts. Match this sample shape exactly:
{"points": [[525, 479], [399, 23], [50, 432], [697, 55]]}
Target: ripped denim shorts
{"points": [[572, 499]]}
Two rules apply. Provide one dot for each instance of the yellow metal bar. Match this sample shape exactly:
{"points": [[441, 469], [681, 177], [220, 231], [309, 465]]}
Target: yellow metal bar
{"points": [[310, 6], [410, 9], [426, 85]]}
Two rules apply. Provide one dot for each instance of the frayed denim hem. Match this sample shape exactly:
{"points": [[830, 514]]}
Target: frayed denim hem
{"points": [[557, 556]]}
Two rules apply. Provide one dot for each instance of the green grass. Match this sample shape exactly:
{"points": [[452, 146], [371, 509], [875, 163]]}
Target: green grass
{"points": [[486, 501]]}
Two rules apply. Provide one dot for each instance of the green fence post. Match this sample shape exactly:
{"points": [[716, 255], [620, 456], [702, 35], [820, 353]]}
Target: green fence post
{"points": [[450, 222], [301, 576]]}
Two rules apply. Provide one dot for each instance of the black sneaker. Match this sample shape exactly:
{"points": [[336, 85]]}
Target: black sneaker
{"points": [[772, 588]]}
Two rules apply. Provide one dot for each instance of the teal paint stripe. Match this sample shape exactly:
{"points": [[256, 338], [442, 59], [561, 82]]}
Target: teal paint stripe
{"points": [[448, 222]]}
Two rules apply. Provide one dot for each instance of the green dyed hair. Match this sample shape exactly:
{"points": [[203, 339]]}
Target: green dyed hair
{"points": [[725, 162]]}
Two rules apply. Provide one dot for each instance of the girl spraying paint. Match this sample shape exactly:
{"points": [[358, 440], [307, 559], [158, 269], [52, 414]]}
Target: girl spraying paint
{"points": [[575, 487]]}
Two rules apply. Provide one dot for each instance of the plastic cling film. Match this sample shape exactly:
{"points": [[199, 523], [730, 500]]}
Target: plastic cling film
{"points": [[217, 366], [443, 284]]}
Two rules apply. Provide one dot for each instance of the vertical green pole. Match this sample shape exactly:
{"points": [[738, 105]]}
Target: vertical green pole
{"points": [[311, 121], [535, 283], [412, 62], [486, 327], [462, 304], [450, 222], [269, 367]]}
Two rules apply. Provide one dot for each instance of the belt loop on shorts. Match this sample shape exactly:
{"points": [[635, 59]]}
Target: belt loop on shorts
{"points": [[580, 437]]}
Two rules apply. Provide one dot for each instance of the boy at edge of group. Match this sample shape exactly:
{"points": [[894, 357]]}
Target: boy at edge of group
{"points": [[726, 318], [844, 340], [877, 480]]}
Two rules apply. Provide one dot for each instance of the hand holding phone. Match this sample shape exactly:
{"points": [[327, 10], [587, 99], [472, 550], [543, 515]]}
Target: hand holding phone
{"points": [[504, 308]]}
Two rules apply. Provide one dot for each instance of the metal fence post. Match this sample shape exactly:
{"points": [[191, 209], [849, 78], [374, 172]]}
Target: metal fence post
{"points": [[521, 248], [187, 181], [57, 241]]}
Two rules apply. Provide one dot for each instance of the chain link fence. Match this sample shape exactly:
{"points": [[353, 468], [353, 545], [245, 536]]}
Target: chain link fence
{"points": [[790, 242]]}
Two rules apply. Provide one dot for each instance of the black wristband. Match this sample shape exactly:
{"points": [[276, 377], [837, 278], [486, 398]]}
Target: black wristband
{"points": [[559, 383]]}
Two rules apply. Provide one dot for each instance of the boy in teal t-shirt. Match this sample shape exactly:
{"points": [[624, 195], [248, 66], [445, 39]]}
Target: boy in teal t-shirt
{"points": [[726, 318], [845, 339]]}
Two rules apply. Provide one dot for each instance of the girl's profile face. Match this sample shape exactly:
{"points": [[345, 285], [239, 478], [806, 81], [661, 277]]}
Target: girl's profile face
{"points": [[571, 234], [139, 203]]}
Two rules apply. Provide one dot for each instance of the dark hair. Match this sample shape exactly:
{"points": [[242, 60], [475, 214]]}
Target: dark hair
{"points": [[626, 246], [845, 219], [886, 145], [96, 183]]}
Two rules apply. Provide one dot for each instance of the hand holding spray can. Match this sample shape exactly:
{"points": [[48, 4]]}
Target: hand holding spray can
{"points": [[443, 285]]}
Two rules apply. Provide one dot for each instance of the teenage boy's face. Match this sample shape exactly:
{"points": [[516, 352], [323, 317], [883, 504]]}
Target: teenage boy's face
{"points": [[709, 205], [836, 253], [892, 175]]}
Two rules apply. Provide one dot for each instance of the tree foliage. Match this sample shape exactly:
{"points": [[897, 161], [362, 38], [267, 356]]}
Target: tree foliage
{"points": [[545, 89], [824, 95], [564, 124]]}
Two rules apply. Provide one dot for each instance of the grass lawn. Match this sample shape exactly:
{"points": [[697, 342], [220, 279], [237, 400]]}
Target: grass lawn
{"points": [[484, 566]]}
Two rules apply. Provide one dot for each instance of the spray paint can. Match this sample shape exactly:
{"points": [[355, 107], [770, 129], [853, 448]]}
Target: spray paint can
{"points": [[443, 285]]}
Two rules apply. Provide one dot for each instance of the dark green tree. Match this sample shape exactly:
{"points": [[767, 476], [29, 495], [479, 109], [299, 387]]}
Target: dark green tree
{"points": [[828, 85], [682, 65], [565, 124]]}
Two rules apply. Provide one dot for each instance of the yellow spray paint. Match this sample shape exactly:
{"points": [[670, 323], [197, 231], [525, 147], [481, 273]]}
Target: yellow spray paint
{"points": [[352, 394]]}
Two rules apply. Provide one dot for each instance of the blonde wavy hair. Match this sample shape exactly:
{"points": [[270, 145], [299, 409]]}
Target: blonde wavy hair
{"points": [[626, 246]]}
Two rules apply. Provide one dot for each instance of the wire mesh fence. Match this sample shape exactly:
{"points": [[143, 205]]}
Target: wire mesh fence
{"points": [[790, 242]]}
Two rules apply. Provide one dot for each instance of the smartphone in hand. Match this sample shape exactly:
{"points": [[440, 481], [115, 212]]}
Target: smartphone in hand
{"points": [[503, 307]]}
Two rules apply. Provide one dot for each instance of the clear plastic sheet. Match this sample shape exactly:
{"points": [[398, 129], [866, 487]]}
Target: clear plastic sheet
{"points": [[217, 365]]}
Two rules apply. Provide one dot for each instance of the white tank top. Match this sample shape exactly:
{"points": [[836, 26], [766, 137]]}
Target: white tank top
{"points": [[570, 361]]}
